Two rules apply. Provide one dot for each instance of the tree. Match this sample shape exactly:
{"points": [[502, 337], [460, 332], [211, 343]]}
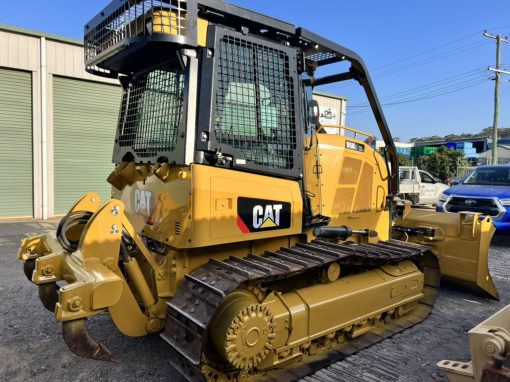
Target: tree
{"points": [[424, 139], [445, 162], [421, 162], [403, 160]]}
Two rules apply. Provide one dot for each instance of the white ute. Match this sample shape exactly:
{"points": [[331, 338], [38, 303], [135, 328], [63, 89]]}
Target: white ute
{"points": [[419, 186]]}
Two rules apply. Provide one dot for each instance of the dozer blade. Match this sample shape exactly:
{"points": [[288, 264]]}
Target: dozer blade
{"points": [[79, 342], [461, 242]]}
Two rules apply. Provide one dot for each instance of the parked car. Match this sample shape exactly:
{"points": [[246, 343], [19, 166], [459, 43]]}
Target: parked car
{"points": [[419, 186], [485, 190]]}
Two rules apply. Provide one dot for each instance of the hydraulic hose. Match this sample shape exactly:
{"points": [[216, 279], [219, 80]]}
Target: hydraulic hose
{"points": [[71, 220]]}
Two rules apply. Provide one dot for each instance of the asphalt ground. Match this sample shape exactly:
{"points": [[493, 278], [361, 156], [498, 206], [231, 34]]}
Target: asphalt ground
{"points": [[32, 347]]}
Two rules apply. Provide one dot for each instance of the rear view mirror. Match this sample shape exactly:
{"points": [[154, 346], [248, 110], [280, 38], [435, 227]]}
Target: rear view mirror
{"points": [[313, 113]]}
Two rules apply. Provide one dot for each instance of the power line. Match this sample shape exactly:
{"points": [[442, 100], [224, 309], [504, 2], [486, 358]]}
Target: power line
{"points": [[432, 85], [427, 51], [437, 57], [436, 86], [421, 98], [453, 90], [434, 89], [424, 61]]}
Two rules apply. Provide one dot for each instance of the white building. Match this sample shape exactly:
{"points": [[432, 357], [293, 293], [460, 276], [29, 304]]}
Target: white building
{"points": [[333, 110]]}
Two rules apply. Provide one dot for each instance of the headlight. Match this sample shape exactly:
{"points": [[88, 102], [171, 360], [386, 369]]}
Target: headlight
{"points": [[505, 202], [444, 198]]}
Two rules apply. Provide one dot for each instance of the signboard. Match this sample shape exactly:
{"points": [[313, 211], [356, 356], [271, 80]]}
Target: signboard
{"points": [[332, 110], [329, 116]]}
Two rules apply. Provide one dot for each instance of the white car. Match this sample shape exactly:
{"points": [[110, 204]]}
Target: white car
{"points": [[419, 186]]}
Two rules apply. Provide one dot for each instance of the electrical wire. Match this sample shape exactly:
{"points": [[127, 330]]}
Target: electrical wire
{"points": [[452, 80], [424, 97], [453, 90], [379, 72], [427, 51], [429, 60], [435, 86], [434, 89]]}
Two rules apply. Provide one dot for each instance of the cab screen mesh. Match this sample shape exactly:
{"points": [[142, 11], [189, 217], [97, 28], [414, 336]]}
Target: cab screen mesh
{"points": [[255, 102], [151, 112]]}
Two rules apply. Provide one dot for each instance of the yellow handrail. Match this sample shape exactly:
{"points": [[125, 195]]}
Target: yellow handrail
{"points": [[369, 136]]}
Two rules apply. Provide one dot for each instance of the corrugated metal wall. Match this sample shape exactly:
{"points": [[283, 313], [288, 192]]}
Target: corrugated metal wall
{"points": [[26, 105], [85, 117], [16, 166]]}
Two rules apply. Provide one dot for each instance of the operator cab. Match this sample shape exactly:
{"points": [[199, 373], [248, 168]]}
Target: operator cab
{"points": [[211, 83]]}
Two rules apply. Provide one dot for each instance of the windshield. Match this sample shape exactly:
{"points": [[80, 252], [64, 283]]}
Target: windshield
{"points": [[489, 177]]}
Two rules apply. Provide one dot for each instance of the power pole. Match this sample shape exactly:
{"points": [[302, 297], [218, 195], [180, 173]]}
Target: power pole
{"points": [[499, 39]]}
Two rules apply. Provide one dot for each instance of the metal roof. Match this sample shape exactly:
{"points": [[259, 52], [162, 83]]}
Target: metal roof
{"points": [[28, 32], [315, 92]]}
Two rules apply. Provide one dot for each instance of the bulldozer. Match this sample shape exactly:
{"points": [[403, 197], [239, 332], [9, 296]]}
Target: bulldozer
{"points": [[258, 245]]}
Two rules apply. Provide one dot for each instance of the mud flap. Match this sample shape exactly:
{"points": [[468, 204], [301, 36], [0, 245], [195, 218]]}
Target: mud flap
{"points": [[461, 242]]}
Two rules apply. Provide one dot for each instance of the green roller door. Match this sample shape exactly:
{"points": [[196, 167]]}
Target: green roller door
{"points": [[16, 167], [85, 118]]}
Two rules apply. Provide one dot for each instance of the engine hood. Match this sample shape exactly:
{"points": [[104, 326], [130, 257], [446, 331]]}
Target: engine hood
{"points": [[501, 192]]}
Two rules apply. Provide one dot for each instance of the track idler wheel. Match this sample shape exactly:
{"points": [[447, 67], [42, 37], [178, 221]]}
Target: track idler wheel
{"points": [[79, 342], [48, 294], [244, 331], [249, 337]]}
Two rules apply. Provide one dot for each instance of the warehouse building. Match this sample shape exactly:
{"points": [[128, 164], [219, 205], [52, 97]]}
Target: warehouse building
{"points": [[503, 155], [402, 147], [57, 125]]}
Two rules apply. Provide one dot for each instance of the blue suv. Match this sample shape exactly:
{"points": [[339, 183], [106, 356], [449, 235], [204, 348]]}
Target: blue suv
{"points": [[485, 190]]}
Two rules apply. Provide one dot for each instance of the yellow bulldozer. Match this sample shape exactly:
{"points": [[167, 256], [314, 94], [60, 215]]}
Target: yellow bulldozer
{"points": [[257, 242]]}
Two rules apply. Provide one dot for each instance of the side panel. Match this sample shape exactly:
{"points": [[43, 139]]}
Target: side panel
{"points": [[348, 182], [161, 209], [230, 206]]}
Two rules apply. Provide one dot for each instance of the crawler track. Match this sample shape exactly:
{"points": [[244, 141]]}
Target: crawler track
{"points": [[202, 291]]}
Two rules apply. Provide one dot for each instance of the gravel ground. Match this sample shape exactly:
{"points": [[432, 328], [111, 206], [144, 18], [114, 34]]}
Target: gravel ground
{"points": [[32, 348]]}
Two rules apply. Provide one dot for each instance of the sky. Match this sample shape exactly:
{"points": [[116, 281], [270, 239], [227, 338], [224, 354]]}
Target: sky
{"points": [[428, 59]]}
